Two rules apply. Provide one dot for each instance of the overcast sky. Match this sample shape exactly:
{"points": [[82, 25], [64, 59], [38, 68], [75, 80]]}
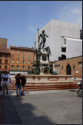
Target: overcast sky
{"points": [[19, 20]]}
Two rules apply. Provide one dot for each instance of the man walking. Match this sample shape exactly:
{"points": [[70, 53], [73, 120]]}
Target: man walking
{"points": [[5, 81]]}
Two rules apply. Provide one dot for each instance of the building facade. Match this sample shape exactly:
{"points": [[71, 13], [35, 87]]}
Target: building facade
{"points": [[71, 66], [57, 32], [4, 56], [21, 59], [4, 60], [70, 48], [3, 44]]}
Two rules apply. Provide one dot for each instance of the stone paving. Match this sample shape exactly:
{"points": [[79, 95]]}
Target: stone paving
{"points": [[48, 107]]}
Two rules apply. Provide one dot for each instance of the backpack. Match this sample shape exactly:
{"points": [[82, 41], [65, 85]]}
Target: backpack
{"points": [[24, 80], [5, 77]]}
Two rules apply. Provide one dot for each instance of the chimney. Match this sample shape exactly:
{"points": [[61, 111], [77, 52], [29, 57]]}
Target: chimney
{"points": [[26, 47], [19, 45]]}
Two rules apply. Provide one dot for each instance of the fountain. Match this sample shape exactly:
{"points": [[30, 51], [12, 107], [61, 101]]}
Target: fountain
{"points": [[42, 65], [42, 74]]}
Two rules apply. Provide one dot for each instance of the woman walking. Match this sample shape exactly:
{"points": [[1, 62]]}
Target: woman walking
{"points": [[18, 84]]}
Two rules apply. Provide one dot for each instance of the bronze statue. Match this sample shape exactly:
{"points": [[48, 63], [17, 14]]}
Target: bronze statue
{"points": [[43, 36]]}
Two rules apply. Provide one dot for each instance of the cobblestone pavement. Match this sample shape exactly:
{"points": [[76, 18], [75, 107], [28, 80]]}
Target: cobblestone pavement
{"points": [[48, 107]]}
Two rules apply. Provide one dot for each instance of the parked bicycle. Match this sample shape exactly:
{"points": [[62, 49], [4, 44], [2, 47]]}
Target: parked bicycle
{"points": [[79, 92]]}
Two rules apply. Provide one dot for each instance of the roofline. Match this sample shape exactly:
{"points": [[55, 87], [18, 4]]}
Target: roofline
{"points": [[68, 58], [3, 38], [71, 37], [5, 52], [64, 22], [22, 48]]}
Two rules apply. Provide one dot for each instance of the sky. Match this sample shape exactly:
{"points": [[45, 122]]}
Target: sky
{"points": [[19, 20]]}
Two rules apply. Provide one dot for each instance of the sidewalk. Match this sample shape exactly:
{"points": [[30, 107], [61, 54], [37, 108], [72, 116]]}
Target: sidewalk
{"points": [[1, 111], [47, 107]]}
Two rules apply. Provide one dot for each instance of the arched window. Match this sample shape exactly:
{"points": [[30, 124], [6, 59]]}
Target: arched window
{"points": [[23, 57], [28, 68], [23, 67], [12, 56], [12, 67], [23, 61], [5, 67], [17, 56], [17, 67]]}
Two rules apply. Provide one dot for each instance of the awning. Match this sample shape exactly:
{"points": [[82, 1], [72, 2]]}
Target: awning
{"points": [[76, 39]]}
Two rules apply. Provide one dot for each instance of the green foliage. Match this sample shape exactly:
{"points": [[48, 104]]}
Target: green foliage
{"points": [[54, 73]]}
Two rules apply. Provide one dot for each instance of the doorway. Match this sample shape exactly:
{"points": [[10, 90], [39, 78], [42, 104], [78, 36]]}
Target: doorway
{"points": [[68, 69]]}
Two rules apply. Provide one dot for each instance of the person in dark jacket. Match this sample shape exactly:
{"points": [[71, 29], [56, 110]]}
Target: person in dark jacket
{"points": [[23, 81], [18, 83]]}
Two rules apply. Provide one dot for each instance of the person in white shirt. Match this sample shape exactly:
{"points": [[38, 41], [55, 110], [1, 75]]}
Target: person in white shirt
{"points": [[5, 81]]}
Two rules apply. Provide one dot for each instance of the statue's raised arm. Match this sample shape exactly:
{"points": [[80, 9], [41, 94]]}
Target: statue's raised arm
{"points": [[46, 35]]}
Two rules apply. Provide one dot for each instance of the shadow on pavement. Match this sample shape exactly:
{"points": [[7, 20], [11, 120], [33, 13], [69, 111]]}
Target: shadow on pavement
{"points": [[17, 112]]}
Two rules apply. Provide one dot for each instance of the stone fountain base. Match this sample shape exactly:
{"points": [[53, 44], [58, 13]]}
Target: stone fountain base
{"points": [[49, 79], [47, 82]]}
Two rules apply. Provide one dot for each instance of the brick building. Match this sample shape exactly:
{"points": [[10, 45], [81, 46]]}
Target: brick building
{"points": [[4, 55], [4, 60], [3, 44], [71, 66], [21, 59]]}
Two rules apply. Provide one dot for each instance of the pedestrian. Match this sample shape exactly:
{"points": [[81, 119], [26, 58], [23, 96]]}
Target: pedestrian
{"points": [[18, 83], [6, 79], [23, 81]]}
